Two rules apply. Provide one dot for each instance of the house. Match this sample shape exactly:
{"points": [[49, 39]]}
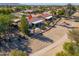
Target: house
{"points": [[35, 21], [47, 16], [29, 11]]}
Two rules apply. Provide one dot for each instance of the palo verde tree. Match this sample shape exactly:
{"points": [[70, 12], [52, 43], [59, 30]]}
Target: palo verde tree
{"points": [[24, 26]]}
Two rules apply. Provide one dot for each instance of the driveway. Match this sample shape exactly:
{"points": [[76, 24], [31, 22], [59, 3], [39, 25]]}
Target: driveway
{"points": [[55, 47], [54, 35]]}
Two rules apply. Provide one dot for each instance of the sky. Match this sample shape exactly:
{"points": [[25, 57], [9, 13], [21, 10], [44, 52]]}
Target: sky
{"points": [[39, 1], [38, 4], [49, 3]]}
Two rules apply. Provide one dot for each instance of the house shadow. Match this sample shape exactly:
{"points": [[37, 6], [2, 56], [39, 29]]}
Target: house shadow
{"points": [[42, 38]]}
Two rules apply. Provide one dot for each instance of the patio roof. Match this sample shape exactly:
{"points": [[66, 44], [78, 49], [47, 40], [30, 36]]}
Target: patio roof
{"points": [[37, 21]]}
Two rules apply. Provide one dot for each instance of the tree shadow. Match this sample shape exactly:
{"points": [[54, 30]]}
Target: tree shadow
{"points": [[19, 43], [41, 37]]}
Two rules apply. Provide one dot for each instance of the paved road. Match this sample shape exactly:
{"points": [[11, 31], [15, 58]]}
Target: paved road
{"points": [[44, 51]]}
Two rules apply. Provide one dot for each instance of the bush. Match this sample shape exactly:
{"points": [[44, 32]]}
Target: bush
{"points": [[5, 21], [61, 54], [43, 27], [68, 47], [17, 53], [74, 35]]}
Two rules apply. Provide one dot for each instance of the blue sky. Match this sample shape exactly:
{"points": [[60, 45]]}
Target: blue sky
{"points": [[41, 3], [49, 3]]}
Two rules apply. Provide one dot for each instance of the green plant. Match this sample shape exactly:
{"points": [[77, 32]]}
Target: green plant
{"points": [[62, 53], [5, 21], [24, 26], [17, 53], [69, 47], [43, 27], [74, 35]]}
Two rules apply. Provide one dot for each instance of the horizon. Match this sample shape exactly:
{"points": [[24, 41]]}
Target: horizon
{"points": [[59, 4]]}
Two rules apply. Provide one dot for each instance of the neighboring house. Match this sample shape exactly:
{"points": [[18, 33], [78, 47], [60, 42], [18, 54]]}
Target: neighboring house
{"points": [[15, 22], [47, 16], [29, 11]]}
